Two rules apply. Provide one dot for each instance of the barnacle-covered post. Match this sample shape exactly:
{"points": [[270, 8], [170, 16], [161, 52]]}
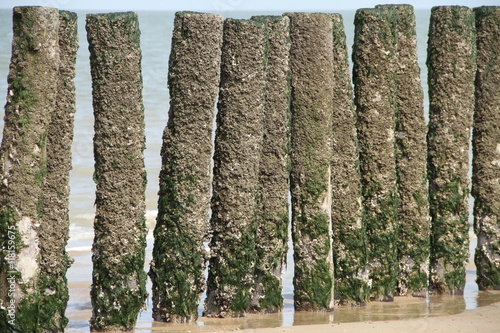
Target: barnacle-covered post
{"points": [[179, 255], [311, 63], [374, 76], [31, 101], [486, 149], [413, 241], [54, 202], [349, 240], [238, 144], [118, 278], [451, 63], [272, 221]]}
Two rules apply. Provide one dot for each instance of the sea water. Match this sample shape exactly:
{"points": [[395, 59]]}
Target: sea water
{"points": [[156, 33]]}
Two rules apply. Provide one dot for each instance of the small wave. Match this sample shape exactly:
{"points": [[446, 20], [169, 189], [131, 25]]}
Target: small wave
{"points": [[79, 249], [150, 214], [84, 216], [78, 232], [151, 217]]}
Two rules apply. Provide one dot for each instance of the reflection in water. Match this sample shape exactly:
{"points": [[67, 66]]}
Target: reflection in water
{"points": [[401, 308], [313, 318], [79, 309]]}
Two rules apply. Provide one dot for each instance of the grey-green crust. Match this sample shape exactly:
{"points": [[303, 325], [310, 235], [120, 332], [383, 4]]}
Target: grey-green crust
{"points": [[118, 278], [486, 149], [179, 255], [451, 66], [272, 221], [375, 82], [413, 239], [349, 239], [238, 146], [311, 61], [31, 101], [54, 226]]}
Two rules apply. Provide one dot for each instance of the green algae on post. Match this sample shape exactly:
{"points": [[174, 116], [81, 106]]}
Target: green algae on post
{"points": [[54, 218], [374, 76], [272, 221], [349, 240], [118, 279], [411, 162], [311, 63], [237, 154], [486, 149], [31, 100], [451, 63], [179, 255]]}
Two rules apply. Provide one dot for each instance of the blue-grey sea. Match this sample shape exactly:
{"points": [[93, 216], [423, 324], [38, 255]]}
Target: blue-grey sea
{"points": [[156, 30]]}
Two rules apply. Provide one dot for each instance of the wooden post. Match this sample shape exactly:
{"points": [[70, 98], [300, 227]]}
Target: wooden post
{"points": [[349, 239], [374, 76], [272, 228], [118, 278], [238, 145], [413, 240], [179, 255], [451, 66], [486, 149], [31, 101], [54, 202], [311, 63]]}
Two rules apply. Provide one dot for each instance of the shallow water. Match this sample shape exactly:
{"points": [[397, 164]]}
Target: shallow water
{"points": [[79, 307]]}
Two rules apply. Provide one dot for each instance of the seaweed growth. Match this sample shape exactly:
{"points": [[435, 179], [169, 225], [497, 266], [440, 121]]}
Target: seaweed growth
{"points": [[452, 68], [375, 86], [179, 255], [118, 278]]}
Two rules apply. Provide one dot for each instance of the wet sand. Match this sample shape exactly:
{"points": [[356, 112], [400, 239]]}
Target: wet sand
{"points": [[403, 315], [476, 311], [484, 319]]}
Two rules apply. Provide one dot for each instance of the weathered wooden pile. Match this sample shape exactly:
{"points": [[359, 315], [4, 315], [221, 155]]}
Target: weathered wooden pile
{"points": [[379, 199]]}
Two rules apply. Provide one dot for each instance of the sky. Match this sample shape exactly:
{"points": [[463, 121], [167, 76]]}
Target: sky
{"points": [[233, 5]]}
